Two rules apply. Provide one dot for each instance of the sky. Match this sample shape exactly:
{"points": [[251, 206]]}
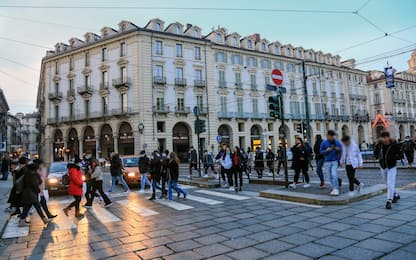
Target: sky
{"points": [[328, 32]]}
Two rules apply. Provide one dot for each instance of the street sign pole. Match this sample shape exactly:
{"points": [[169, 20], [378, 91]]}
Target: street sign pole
{"points": [[305, 93], [282, 118], [197, 112]]}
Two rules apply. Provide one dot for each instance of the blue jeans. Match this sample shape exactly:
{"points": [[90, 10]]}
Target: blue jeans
{"points": [[155, 186], [331, 168], [120, 179], [174, 185], [5, 175], [319, 164], [144, 181]]}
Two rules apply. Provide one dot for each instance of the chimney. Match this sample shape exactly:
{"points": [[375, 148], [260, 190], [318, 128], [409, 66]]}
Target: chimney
{"points": [[256, 37], [188, 25]]}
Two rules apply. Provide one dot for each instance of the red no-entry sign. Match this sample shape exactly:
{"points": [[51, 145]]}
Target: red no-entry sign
{"points": [[277, 77]]}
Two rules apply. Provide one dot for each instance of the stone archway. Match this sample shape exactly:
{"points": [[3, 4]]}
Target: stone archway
{"points": [[73, 144], [361, 135], [225, 132], [125, 139], [401, 133], [345, 130], [58, 146], [106, 141], [379, 129], [284, 132], [412, 131], [256, 137], [181, 138], [88, 144]]}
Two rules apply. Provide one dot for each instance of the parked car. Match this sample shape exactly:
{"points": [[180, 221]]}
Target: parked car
{"points": [[58, 178], [131, 172]]}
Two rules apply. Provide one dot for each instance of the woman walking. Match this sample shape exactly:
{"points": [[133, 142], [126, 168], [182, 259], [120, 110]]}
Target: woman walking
{"points": [[174, 175], [238, 162], [75, 187], [43, 191], [250, 160], [116, 170], [300, 162], [227, 165], [270, 158], [351, 158], [259, 162], [97, 185]]}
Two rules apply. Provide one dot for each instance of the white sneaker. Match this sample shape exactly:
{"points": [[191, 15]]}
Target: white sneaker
{"points": [[217, 176], [225, 185], [269, 174], [360, 187], [334, 192], [126, 191], [307, 185], [351, 193], [293, 186], [141, 191], [231, 188], [205, 176]]}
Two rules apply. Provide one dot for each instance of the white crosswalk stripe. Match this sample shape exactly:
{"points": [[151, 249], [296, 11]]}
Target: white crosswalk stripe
{"points": [[204, 200], [13, 230], [103, 215], [224, 195], [174, 205], [142, 211]]}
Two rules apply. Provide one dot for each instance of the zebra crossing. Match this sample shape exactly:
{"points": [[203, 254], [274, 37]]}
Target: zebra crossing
{"points": [[135, 202]]}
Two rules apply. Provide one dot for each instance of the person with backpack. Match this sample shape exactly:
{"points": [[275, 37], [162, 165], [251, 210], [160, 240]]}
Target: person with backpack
{"points": [[208, 162], [319, 158], [75, 187], [270, 158], [193, 161], [15, 197], [259, 163], [351, 158], [279, 158], [97, 185], [116, 170], [238, 164], [409, 150], [174, 176], [218, 158], [331, 149], [164, 173], [300, 162], [227, 166], [30, 194], [144, 169], [155, 168], [388, 153]]}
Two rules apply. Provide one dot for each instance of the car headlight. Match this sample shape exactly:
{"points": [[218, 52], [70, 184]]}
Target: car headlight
{"points": [[53, 181], [131, 174], [83, 178]]}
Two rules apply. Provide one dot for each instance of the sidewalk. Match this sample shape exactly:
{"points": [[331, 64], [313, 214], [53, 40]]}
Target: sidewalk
{"points": [[5, 187]]}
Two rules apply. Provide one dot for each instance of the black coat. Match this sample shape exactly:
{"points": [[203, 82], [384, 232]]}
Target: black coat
{"points": [[173, 170], [116, 166], [389, 154], [259, 160], [155, 166], [15, 199], [144, 164], [317, 150], [31, 189], [300, 156]]}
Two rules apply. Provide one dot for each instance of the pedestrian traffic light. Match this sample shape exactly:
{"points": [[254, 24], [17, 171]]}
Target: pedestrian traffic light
{"points": [[200, 126], [274, 107], [196, 126], [299, 128]]}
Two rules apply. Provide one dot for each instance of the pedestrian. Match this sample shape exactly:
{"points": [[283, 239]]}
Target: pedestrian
{"points": [[30, 194], [250, 160], [155, 168], [319, 158], [227, 166], [238, 164], [15, 197], [97, 185], [270, 158], [193, 161], [43, 194], [208, 162], [86, 166], [174, 176], [75, 187], [351, 158], [300, 162], [5, 167], [364, 146], [116, 170], [388, 153], [218, 158], [409, 150], [164, 173], [244, 162], [144, 170], [259, 162], [331, 149], [280, 159]]}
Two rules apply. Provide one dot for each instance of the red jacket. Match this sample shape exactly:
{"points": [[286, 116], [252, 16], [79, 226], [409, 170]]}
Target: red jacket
{"points": [[75, 181]]}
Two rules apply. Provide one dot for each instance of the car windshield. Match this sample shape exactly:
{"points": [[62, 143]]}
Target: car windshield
{"points": [[58, 167], [131, 162]]}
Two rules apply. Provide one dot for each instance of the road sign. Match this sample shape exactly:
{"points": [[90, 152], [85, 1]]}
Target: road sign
{"points": [[219, 138], [197, 112], [277, 77], [144, 146]]}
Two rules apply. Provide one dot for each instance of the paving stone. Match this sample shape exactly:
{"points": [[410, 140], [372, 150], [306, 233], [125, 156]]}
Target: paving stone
{"points": [[256, 228], [336, 242], [337, 226], [305, 225], [410, 248], [274, 246], [276, 223], [354, 221], [157, 242], [297, 239], [322, 220], [220, 257], [399, 254], [375, 228], [313, 250], [287, 256], [287, 230], [318, 232], [135, 238], [235, 233], [263, 236], [126, 256], [411, 230], [248, 254], [188, 255], [332, 257], [184, 236], [183, 245], [354, 252], [154, 252], [212, 250], [398, 237], [370, 215], [210, 239], [389, 223], [105, 244], [355, 234], [208, 230], [378, 245], [240, 242]]}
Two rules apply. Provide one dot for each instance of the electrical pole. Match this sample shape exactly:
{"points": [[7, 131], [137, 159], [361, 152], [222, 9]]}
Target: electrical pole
{"points": [[282, 118], [305, 93]]}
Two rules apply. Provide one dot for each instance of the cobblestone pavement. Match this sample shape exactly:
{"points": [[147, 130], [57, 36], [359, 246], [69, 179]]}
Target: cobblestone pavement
{"points": [[222, 224]]}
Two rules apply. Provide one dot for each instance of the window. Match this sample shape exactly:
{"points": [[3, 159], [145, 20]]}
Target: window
{"points": [[292, 84], [237, 78], [318, 126], [177, 30], [377, 98], [299, 54], [180, 102], [253, 81], [236, 59], [218, 38], [71, 110], [221, 76], [318, 109], [157, 27], [249, 44], [195, 33], [234, 41], [266, 64], [123, 49], [56, 68], [71, 63], [87, 108], [56, 112], [179, 73], [290, 67], [240, 127], [160, 126], [255, 103], [159, 71], [198, 74], [104, 101], [220, 57], [200, 101], [294, 107], [87, 80], [223, 104], [263, 46], [160, 101], [71, 85], [252, 62], [267, 80], [104, 79], [197, 52], [123, 74], [178, 50], [158, 48], [288, 52], [103, 54], [277, 49], [278, 65], [240, 105], [87, 59], [342, 109]]}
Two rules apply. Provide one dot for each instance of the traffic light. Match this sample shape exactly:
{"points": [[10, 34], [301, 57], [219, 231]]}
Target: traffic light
{"points": [[196, 127], [274, 107], [299, 128], [200, 126]]}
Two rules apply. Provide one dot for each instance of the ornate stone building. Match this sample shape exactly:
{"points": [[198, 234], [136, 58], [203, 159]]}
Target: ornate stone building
{"points": [[4, 109]]}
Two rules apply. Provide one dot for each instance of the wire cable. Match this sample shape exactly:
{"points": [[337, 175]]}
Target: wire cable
{"points": [[25, 43], [17, 78], [21, 64], [363, 5]]}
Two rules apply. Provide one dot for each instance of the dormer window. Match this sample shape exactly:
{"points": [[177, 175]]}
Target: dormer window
{"points": [[299, 54], [195, 33], [218, 38], [157, 27], [276, 49], [288, 52], [234, 41], [176, 30], [249, 44], [263, 46]]}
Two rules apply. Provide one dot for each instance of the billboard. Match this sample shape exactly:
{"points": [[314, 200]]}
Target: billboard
{"points": [[389, 76]]}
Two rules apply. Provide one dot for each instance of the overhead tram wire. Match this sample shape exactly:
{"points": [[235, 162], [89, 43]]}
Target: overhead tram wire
{"points": [[17, 78], [19, 63], [25, 43], [363, 5]]}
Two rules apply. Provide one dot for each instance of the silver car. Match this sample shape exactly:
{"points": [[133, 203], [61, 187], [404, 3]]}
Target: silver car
{"points": [[58, 178]]}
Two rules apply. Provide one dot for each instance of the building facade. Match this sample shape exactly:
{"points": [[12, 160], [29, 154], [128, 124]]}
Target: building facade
{"points": [[4, 109], [135, 88], [29, 132], [394, 109], [14, 137]]}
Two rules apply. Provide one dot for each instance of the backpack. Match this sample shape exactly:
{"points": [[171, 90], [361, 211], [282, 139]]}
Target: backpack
{"points": [[210, 160], [226, 162]]}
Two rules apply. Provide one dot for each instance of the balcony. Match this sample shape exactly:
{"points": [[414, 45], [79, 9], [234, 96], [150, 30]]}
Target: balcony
{"points": [[85, 90], [55, 96], [238, 85], [199, 83], [70, 93], [159, 80], [399, 100], [323, 93], [180, 82], [297, 116], [104, 86], [242, 115], [345, 117], [160, 109], [182, 110], [122, 82], [222, 84], [203, 110], [318, 117], [293, 91], [257, 115], [121, 111], [361, 118], [253, 86], [315, 92], [225, 115], [358, 97]]}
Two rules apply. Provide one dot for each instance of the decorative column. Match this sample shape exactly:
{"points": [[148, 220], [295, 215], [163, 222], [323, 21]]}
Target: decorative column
{"points": [[115, 143], [137, 147], [97, 147], [81, 149], [65, 148]]}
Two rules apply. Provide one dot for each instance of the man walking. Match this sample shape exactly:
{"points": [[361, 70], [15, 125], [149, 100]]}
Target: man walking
{"points": [[388, 153], [5, 166], [319, 160], [409, 150], [351, 158], [331, 150], [193, 161]]}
